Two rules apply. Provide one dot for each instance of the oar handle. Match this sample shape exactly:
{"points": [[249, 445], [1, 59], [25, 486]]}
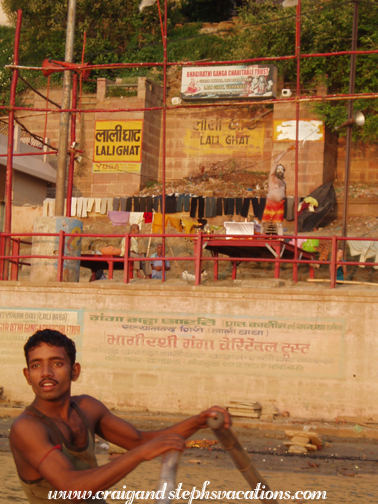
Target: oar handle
{"points": [[241, 459]]}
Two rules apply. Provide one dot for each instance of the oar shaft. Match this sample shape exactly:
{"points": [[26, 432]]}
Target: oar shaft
{"points": [[242, 460], [168, 475]]}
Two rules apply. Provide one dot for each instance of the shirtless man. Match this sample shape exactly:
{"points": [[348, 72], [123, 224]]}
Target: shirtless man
{"points": [[52, 441], [274, 208]]}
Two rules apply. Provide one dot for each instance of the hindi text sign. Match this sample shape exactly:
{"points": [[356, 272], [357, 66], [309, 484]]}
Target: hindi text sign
{"points": [[226, 82], [118, 146]]}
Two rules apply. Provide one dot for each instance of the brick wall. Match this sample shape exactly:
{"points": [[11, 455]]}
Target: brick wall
{"points": [[87, 183], [228, 137], [225, 137], [311, 152], [151, 132], [363, 163]]}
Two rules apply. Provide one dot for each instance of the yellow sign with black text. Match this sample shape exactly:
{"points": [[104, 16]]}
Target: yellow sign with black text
{"points": [[224, 137], [118, 146]]}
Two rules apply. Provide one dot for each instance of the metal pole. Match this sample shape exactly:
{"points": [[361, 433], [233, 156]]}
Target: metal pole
{"points": [[298, 55], [352, 75], [333, 261], [9, 171], [72, 149], [64, 117], [164, 124]]}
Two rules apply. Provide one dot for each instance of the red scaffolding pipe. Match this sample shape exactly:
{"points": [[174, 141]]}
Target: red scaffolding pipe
{"points": [[165, 32], [298, 56], [30, 154], [9, 171], [301, 99], [15, 67], [110, 66]]}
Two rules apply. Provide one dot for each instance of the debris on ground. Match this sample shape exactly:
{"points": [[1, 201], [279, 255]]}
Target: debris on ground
{"points": [[228, 179], [269, 412], [303, 441], [246, 409], [200, 443]]}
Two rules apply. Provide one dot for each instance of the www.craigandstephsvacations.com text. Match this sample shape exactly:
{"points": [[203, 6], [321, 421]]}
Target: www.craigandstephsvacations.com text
{"points": [[128, 496]]}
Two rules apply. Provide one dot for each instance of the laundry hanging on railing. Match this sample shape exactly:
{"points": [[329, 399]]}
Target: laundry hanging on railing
{"points": [[199, 207]]}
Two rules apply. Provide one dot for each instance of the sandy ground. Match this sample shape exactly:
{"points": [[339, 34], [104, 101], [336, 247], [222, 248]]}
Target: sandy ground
{"points": [[345, 469]]}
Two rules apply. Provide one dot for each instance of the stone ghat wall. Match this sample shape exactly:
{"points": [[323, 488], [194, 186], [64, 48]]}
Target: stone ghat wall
{"points": [[312, 351]]}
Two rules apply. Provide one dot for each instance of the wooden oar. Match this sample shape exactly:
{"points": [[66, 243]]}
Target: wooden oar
{"points": [[167, 478], [241, 459]]}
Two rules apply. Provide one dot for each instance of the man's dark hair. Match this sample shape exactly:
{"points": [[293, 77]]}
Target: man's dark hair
{"points": [[52, 338]]}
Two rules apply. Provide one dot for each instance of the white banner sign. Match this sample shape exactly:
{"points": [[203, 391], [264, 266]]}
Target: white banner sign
{"points": [[225, 82]]}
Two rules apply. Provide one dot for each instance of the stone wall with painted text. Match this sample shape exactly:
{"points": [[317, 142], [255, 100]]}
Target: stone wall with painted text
{"points": [[313, 351]]}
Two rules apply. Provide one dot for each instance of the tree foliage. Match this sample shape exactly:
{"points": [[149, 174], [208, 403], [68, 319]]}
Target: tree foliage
{"points": [[110, 26], [211, 11], [326, 26], [118, 32], [6, 57]]}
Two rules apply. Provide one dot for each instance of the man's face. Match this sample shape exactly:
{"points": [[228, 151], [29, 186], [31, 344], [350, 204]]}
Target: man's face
{"points": [[50, 372], [280, 171], [159, 250]]}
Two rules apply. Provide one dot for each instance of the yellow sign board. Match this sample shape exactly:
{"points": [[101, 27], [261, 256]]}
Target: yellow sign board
{"points": [[225, 137], [118, 146]]}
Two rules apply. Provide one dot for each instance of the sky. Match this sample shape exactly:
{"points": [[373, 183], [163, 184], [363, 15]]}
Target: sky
{"points": [[3, 18]]}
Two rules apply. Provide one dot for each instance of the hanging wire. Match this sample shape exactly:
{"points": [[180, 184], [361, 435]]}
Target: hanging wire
{"points": [[37, 92], [47, 106]]}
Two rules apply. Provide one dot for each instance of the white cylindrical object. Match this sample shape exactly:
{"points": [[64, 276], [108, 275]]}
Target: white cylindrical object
{"points": [[359, 118], [167, 479]]}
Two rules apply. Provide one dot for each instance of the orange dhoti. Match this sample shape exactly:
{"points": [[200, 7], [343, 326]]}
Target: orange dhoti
{"points": [[274, 211]]}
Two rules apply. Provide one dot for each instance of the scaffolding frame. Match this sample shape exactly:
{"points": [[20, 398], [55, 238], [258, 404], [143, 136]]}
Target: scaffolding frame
{"points": [[297, 56]]}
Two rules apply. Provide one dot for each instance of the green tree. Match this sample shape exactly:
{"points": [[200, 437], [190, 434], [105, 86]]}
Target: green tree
{"points": [[110, 26], [116, 33], [212, 11], [326, 26]]}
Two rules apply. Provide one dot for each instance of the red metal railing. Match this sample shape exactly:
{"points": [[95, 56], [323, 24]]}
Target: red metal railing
{"points": [[5, 253], [200, 241]]}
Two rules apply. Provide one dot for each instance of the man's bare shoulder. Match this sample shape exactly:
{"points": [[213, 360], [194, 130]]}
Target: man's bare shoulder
{"points": [[25, 428], [85, 401], [93, 409]]}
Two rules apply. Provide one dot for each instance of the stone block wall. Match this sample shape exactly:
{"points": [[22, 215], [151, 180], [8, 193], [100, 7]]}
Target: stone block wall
{"points": [[230, 138], [152, 128], [311, 152], [225, 137], [87, 183], [313, 353], [363, 163]]}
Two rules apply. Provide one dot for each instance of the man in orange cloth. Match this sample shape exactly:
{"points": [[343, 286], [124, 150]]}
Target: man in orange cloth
{"points": [[274, 208]]}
